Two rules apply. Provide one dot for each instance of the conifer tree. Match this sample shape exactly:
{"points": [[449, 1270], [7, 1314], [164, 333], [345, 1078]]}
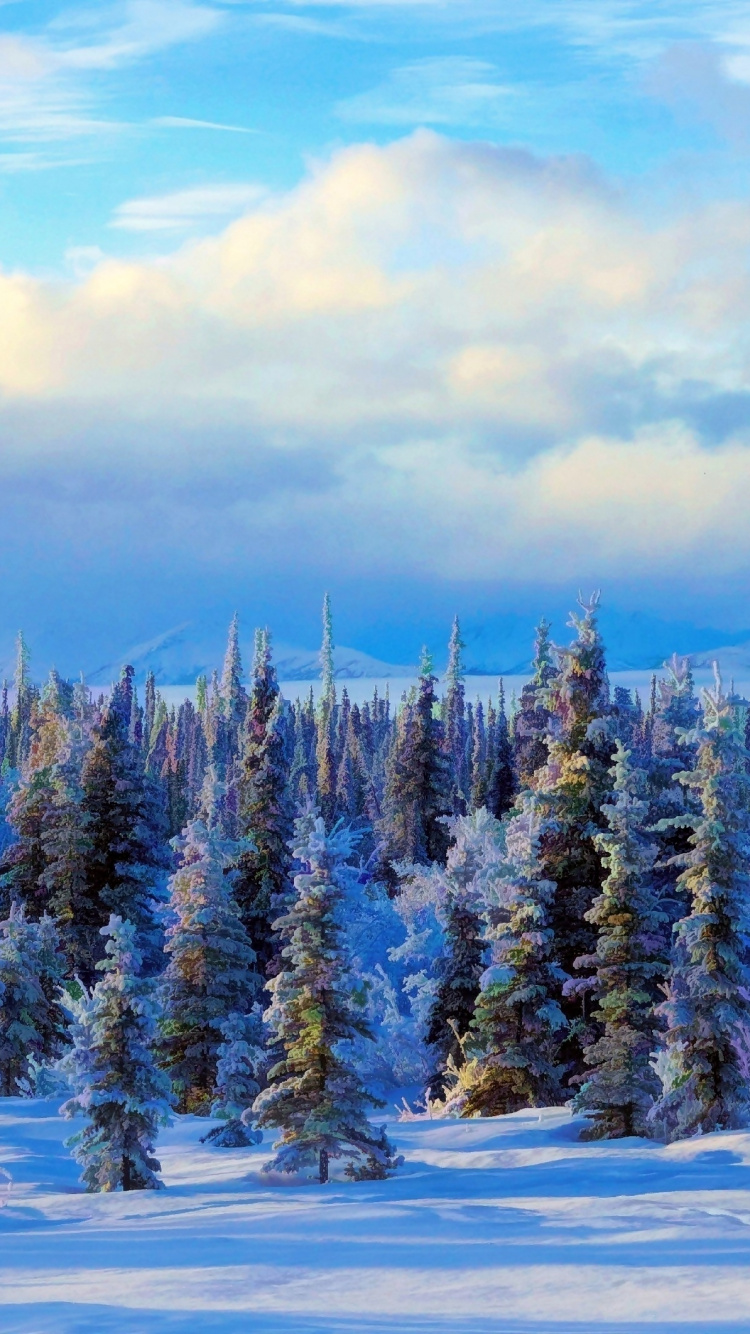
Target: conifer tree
{"points": [[707, 1010], [32, 1024], [501, 782], [211, 972], [266, 819], [125, 859], [417, 794], [518, 1025], [454, 723], [315, 1097], [628, 962], [232, 693], [240, 1057], [673, 718], [572, 788], [119, 1089], [532, 720], [478, 759], [326, 721]]}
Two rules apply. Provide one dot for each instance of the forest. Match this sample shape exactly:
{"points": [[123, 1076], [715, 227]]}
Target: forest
{"points": [[272, 915]]}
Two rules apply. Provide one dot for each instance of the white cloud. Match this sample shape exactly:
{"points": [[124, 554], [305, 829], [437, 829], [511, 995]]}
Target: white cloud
{"points": [[187, 123], [498, 362], [184, 209]]}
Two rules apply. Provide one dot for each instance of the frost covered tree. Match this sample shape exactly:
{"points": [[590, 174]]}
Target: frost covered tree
{"points": [[417, 792], [240, 1058], [518, 1024], [326, 720], [707, 1010], [118, 1087], [315, 1097], [533, 717], [211, 972], [266, 818], [629, 961], [32, 1023], [501, 776], [454, 724]]}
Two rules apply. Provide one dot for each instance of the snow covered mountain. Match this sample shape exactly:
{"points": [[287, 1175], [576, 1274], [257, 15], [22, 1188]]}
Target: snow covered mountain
{"points": [[181, 654]]}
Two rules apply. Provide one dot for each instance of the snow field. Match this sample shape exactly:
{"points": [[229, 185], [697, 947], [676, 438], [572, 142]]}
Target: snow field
{"points": [[502, 1226]]}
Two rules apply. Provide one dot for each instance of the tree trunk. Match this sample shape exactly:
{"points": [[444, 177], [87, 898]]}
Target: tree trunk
{"points": [[323, 1166], [126, 1174]]}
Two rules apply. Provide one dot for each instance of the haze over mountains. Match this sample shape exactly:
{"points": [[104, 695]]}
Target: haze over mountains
{"points": [[500, 645]]}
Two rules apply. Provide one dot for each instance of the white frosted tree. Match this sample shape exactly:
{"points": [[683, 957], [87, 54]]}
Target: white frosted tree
{"points": [[32, 1023], [315, 1097], [707, 1010], [118, 1087], [240, 1059], [518, 1024], [627, 965], [211, 972]]}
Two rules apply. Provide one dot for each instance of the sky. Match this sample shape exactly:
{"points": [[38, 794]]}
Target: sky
{"points": [[440, 306]]}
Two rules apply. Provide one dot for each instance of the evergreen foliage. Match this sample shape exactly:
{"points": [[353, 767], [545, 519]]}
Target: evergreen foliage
{"points": [[707, 1010], [315, 1097], [518, 1024], [211, 971], [628, 962], [32, 1024], [119, 1089]]}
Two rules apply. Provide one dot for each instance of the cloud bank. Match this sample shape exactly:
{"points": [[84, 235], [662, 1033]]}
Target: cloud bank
{"points": [[433, 359]]}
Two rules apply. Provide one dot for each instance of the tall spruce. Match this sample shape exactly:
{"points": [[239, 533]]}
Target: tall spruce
{"points": [[315, 1097], [629, 962], [211, 972], [266, 818], [501, 776], [417, 792], [32, 1023], [118, 1087], [707, 1010], [518, 1024], [532, 721], [326, 721], [455, 725]]}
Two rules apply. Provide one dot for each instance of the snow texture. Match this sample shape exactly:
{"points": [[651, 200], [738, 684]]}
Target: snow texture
{"points": [[503, 1226]]}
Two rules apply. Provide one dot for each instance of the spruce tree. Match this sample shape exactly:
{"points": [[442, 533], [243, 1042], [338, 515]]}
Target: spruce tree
{"points": [[518, 1024], [532, 721], [240, 1057], [629, 961], [454, 724], [265, 813], [325, 749], [417, 793], [315, 1097], [707, 1011], [501, 781], [211, 972], [125, 859], [119, 1089], [32, 1024]]}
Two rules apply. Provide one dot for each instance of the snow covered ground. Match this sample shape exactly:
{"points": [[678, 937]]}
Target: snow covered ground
{"points": [[495, 1227]]}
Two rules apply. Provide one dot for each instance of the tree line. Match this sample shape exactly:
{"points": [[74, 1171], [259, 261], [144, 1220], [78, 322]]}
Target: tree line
{"points": [[273, 913]]}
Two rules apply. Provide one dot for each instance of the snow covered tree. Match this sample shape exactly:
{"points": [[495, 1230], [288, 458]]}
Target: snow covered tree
{"points": [[518, 1025], [417, 794], [326, 721], [628, 962], [126, 858], [266, 819], [533, 717], [211, 972], [315, 1097], [240, 1058], [118, 1087], [454, 724], [501, 777], [707, 1009], [32, 1023]]}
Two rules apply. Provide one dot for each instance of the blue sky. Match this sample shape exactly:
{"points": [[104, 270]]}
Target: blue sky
{"points": [[440, 305]]}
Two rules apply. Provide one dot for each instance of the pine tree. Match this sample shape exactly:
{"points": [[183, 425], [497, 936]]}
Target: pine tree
{"points": [[454, 724], [315, 1098], [478, 760], [707, 1010], [266, 820], [417, 794], [325, 749], [240, 1057], [119, 1089], [32, 1024], [571, 790], [532, 721], [501, 783], [629, 960], [211, 973], [232, 693], [518, 1024], [125, 858]]}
